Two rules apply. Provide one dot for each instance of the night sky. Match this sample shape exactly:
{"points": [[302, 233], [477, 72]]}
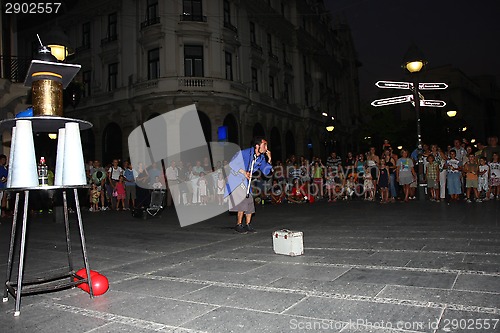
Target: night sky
{"points": [[465, 34]]}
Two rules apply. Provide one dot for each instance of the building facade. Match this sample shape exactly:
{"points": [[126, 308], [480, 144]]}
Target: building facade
{"points": [[258, 67]]}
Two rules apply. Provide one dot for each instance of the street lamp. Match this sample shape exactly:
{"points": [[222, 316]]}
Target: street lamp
{"points": [[414, 61]]}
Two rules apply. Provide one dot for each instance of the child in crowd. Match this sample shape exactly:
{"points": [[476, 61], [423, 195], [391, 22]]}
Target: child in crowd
{"points": [[454, 167], [495, 176], [120, 193], [383, 181], [277, 192], [317, 174], [482, 183], [157, 183], [95, 194], [432, 176], [297, 194], [202, 188], [330, 183], [350, 187], [368, 185], [471, 177]]}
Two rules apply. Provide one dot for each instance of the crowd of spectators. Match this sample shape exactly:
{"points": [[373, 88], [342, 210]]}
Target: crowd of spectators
{"points": [[460, 171]]}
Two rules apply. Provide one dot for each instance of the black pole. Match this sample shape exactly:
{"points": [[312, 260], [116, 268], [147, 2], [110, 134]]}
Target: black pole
{"points": [[420, 166]]}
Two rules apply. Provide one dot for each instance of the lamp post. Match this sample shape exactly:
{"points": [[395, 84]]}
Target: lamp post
{"points": [[451, 113], [414, 61], [329, 128]]}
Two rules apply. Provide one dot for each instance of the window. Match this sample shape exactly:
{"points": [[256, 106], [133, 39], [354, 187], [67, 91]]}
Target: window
{"points": [[269, 44], [271, 86], [285, 59], [304, 63], [253, 39], [255, 79], [112, 26], [153, 64], [152, 16], [191, 10], [193, 60], [86, 80], [227, 13], [112, 76], [152, 10], [286, 92], [229, 66], [86, 35]]}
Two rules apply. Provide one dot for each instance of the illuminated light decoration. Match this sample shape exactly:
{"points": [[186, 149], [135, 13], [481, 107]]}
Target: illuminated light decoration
{"points": [[432, 102], [432, 86], [53, 136], [451, 113], [330, 128], [414, 66], [59, 51], [392, 100], [400, 147], [394, 85], [472, 140]]}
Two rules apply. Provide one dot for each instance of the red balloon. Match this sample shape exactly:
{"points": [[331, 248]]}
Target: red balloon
{"points": [[100, 284], [83, 273]]}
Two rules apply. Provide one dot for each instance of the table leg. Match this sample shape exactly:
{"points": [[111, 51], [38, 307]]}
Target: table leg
{"points": [[66, 225], [82, 239], [17, 311], [11, 249]]}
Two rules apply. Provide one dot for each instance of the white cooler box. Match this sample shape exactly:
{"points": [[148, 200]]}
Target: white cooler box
{"points": [[288, 242]]}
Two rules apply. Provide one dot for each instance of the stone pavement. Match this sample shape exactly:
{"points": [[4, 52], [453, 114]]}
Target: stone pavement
{"points": [[367, 267]]}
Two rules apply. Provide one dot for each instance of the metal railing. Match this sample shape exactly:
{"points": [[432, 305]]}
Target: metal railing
{"points": [[193, 18], [151, 21], [109, 39], [196, 82], [230, 27], [14, 68]]}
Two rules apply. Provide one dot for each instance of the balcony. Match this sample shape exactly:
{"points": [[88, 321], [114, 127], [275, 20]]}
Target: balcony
{"points": [[231, 27], [109, 39], [256, 47], [177, 85], [14, 68], [196, 82], [150, 22], [193, 18], [273, 57]]}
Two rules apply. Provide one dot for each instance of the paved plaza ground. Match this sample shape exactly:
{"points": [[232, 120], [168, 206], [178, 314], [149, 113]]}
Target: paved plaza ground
{"points": [[367, 267]]}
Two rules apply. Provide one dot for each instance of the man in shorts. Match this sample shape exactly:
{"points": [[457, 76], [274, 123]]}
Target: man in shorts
{"points": [[239, 176]]}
